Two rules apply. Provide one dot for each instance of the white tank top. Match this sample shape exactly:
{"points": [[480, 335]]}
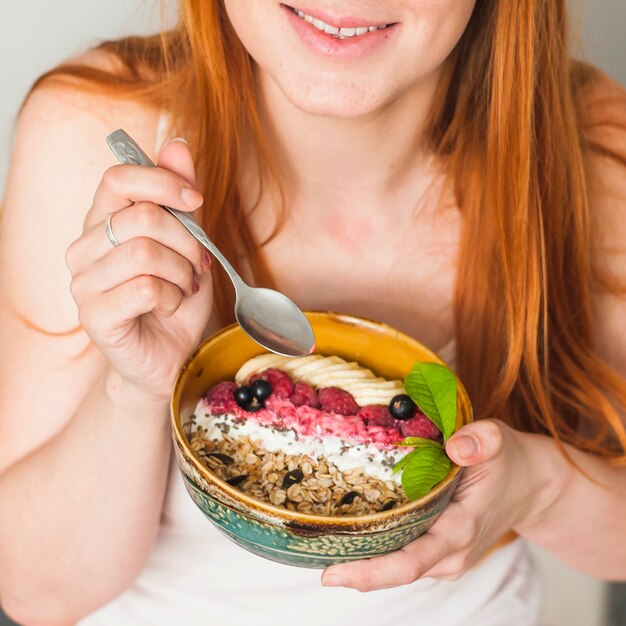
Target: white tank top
{"points": [[197, 577]]}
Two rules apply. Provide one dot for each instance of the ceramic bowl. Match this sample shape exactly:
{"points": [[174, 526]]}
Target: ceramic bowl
{"points": [[273, 532]]}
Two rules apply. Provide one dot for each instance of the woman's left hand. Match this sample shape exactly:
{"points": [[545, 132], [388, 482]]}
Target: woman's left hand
{"points": [[506, 483]]}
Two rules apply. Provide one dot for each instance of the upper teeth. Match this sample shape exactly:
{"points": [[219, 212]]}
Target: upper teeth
{"points": [[340, 33]]}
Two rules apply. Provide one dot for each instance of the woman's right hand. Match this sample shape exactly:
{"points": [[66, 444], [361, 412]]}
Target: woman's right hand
{"points": [[146, 302]]}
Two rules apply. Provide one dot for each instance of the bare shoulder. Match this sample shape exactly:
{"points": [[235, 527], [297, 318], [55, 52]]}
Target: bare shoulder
{"points": [[605, 135], [604, 110], [604, 129], [60, 98], [59, 156]]}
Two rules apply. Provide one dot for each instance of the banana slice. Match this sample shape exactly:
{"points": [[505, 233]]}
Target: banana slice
{"points": [[352, 379], [378, 383], [376, 396], [305, 370], [332, 366], [364, 400], [340, 372], [324, 377], [259, 363]]}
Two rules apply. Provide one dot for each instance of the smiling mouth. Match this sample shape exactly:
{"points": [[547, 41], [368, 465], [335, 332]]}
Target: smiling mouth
{"points": [[336, 32]]}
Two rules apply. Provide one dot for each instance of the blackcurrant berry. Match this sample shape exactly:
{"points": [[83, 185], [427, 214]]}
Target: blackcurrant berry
{"points": [[261, 389], [243, 396], [245, 399], [402, 407]]}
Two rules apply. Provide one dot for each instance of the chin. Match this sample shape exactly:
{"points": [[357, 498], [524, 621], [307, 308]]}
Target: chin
{"points": [[343, 101]]}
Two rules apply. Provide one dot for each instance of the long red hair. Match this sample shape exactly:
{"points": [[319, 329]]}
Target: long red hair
{"points": [[510, 123]]}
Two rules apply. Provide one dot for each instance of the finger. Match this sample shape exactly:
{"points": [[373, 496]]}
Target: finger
{"points": [[451, 567], [177, 158], [477, 442], [105, 315], [122, 185], [402, 567], [139, 256], [143, 219]]}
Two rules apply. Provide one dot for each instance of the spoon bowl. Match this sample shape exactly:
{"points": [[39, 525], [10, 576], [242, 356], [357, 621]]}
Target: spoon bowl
{"points": [[273, 321]]}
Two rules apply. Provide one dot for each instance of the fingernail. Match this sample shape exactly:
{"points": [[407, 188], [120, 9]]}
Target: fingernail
{"points": [[195, 287], [192, 198], [206, 261], [464, 446], [180, 140], [333, 580]]}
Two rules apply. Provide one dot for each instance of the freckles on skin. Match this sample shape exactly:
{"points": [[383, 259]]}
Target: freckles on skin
{"points": [[319, 94]]}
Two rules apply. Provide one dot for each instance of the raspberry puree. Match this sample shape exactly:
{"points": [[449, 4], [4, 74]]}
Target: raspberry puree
{"points": [[307, 421]]}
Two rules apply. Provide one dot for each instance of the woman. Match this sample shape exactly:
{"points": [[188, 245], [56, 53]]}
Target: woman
{"points": [[448, 171]]}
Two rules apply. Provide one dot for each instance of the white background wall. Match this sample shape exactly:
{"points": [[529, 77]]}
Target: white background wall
{"points": [[36, 34]]}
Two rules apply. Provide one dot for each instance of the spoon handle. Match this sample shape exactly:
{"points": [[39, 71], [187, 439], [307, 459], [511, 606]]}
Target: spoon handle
{"points": [[128, 152]]}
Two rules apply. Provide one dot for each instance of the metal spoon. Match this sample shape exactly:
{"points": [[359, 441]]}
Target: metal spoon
{"points": [[267, 316]]}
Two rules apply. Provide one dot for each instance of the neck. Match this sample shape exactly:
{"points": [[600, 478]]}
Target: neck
{"points": [[358, 161]]}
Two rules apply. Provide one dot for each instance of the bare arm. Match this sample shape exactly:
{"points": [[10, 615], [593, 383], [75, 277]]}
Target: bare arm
{"points": [[85, 446], [586, 524], [82, 511]]}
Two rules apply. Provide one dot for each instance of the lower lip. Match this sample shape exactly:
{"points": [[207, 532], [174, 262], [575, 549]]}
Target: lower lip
{"points": [[351, 48]]}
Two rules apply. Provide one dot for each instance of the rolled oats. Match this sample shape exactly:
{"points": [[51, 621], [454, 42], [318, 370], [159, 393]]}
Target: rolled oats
{"points": [[320, 488]]}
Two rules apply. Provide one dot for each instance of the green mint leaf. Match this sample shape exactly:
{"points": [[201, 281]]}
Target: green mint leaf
{"points": [[433, 388], [418, 441], [402, 462], [427, 467]]}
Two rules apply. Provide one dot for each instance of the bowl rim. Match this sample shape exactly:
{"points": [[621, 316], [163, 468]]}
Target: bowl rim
{"points": [[253, 505]]}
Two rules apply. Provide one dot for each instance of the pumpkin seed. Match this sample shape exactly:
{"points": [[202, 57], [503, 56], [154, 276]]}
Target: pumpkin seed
{"points": [[348, 498], [293, 477], [224, 458], [237, 480]]}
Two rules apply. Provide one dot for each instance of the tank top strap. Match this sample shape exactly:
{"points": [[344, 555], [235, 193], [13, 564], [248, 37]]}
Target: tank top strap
{"points": [[163, 131]]}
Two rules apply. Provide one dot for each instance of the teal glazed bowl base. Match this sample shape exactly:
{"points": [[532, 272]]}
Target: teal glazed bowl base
{"points": [[293, 547]]}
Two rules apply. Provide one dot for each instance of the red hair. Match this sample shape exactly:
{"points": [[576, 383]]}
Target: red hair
{"points": [[510, 123]]}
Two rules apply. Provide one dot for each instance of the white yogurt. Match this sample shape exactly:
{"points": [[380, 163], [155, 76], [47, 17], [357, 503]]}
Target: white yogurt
{"points": [[375, 462]]}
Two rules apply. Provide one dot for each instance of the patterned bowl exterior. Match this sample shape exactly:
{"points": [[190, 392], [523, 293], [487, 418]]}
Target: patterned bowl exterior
{"points": [[287, 536]]}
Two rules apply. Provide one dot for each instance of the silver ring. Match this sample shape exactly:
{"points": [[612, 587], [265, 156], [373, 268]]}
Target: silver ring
{"points": [[109, 232]]}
